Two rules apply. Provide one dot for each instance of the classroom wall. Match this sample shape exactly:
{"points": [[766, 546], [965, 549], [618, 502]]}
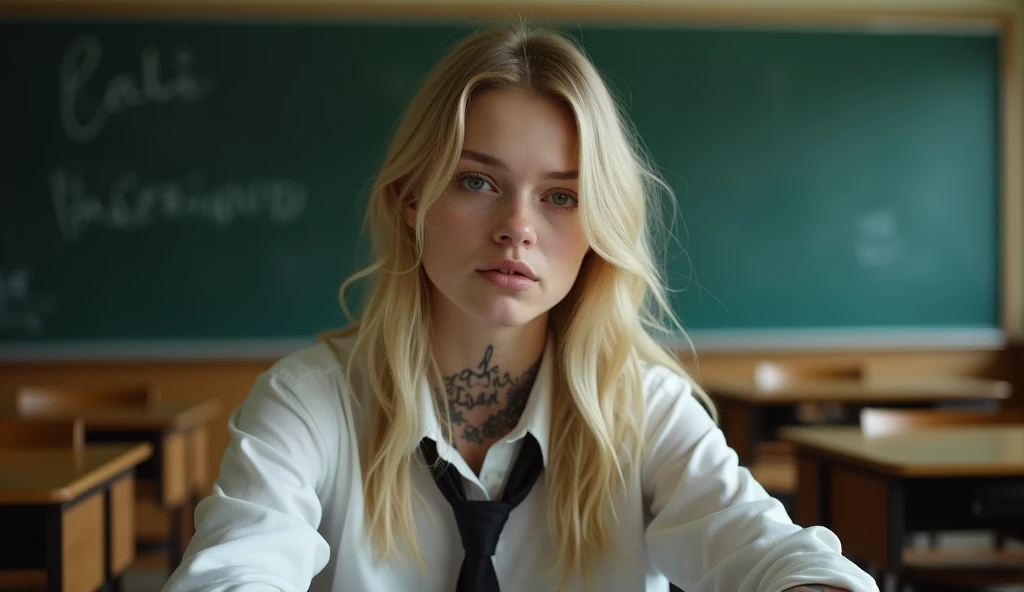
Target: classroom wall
{"points": [[230, 381]]}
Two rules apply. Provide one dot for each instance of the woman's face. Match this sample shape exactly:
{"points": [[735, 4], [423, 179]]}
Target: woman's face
{"points": [[511, 207]]}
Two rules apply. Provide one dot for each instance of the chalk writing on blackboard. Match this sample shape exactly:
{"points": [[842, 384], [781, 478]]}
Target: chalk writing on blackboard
{"points": [[878, 242], [151, 85], [21, 309], [132, 203]]}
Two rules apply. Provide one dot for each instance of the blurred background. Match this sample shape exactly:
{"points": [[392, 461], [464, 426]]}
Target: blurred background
{"points": [[182, 187]]}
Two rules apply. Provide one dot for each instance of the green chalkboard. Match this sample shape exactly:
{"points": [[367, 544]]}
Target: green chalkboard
{"points": [[204, 181]]}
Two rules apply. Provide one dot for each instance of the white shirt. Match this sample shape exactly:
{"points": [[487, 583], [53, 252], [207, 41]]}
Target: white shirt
{"points": [[287, 511]]}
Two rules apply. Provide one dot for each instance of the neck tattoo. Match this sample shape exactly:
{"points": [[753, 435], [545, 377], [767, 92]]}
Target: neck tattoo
{"points": [[486, 387]]}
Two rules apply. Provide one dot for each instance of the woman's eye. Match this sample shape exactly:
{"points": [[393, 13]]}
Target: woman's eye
{"points": [[476, 183], [562, 199]]}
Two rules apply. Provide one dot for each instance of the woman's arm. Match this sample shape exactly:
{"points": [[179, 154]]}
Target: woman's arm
{"points": [[259, 527], [713, 527]]}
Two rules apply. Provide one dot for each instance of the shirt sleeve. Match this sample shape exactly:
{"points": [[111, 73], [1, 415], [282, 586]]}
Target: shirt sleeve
{"points": [[712, 526], [258, 529]]}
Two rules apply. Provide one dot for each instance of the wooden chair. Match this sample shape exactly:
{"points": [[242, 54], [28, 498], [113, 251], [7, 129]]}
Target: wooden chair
{"points": [[774, 465], [975, 568], [772, 375], [64, 400], [42, 433], [881, 422]]}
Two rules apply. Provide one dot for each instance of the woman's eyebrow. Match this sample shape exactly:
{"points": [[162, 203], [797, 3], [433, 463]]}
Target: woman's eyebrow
{"points": [[487, 159]]}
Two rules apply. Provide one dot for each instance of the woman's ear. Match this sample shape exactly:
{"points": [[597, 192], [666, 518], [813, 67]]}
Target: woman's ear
{"points": [[409, 209]]}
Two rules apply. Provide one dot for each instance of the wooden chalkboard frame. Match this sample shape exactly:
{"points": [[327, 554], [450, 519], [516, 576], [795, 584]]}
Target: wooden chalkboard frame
{"points": [[1006, 24]]}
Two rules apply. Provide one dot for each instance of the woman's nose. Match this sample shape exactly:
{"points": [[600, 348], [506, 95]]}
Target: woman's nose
{"points": [[516, 227]]}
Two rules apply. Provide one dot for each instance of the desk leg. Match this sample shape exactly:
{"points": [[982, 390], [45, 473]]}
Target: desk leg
{"points": [[171, 467], [812, 494], [897, 529], [120, 532], [74, 545], [743, 426], [54, 548], [756, 429], [109, 538], [866, 513], [199, 485], [199, 451], [176, 550]]}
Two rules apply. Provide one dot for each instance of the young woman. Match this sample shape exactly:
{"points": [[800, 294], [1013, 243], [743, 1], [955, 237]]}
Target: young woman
{"points": [[501, 416]]}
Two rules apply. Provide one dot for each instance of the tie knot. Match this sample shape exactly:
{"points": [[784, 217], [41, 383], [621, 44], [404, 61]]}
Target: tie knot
{"points": [[480, 524]]}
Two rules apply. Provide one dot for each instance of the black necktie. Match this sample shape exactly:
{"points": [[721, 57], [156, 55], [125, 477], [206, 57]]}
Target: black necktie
{"points": [[480, 522]]}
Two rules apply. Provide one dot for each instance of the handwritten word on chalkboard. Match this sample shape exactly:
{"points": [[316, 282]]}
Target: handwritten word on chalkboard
{"points": [[130, 201], [124, 90]]}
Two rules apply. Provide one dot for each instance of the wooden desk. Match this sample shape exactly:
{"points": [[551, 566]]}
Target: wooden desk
{"points": [[70, 514], [751, 415], [872, 492], [178, 433]]}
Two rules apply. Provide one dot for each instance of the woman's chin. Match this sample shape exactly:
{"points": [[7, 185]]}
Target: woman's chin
{"points": [[507, 314]]}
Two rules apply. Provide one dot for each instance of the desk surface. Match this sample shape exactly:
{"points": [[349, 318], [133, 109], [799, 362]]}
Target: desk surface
{"points": [[54, 475], [891, 390], [967, 451], [176, 415]]}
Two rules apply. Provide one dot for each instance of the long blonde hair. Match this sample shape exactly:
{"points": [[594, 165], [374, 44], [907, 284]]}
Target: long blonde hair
{"points": [[601, 330]]}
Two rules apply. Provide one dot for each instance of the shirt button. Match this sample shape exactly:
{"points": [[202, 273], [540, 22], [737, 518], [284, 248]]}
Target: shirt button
{"points": [[491, 478]]}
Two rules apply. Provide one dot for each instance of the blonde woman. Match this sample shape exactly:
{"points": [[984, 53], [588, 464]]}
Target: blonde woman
{"points": [[501, 416]]}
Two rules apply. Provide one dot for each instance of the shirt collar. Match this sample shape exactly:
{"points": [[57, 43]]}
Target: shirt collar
{"points": [[536, 418]]}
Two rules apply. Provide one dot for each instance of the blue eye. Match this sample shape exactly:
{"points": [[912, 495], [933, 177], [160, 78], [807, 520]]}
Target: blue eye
{"points": [[475, 183], [562, 199]]}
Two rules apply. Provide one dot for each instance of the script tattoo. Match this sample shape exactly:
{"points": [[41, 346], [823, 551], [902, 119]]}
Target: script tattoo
{"points": [[487, 386]]}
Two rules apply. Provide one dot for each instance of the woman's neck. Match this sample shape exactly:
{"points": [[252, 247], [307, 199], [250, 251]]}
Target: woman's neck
{"points": [[488, 374]]}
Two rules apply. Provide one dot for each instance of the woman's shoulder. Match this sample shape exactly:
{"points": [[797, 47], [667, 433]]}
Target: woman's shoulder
{"points": [[665, 388], [660, 380], [326, 357], [298, 409], [317, 371]]}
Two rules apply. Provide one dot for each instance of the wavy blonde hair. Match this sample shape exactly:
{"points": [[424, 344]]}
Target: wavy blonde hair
{"points": [[602, 329]]}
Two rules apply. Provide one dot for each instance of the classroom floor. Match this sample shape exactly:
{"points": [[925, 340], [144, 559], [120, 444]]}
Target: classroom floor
{"points": [[143, 581], [149, 573]]}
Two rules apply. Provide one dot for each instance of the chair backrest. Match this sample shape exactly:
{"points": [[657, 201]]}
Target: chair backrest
{"points": [[773, 375], [61, 400], [876, 422], [41, 433]]}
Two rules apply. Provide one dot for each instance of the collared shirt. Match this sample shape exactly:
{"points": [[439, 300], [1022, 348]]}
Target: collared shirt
{"points": [[287, 510]]}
